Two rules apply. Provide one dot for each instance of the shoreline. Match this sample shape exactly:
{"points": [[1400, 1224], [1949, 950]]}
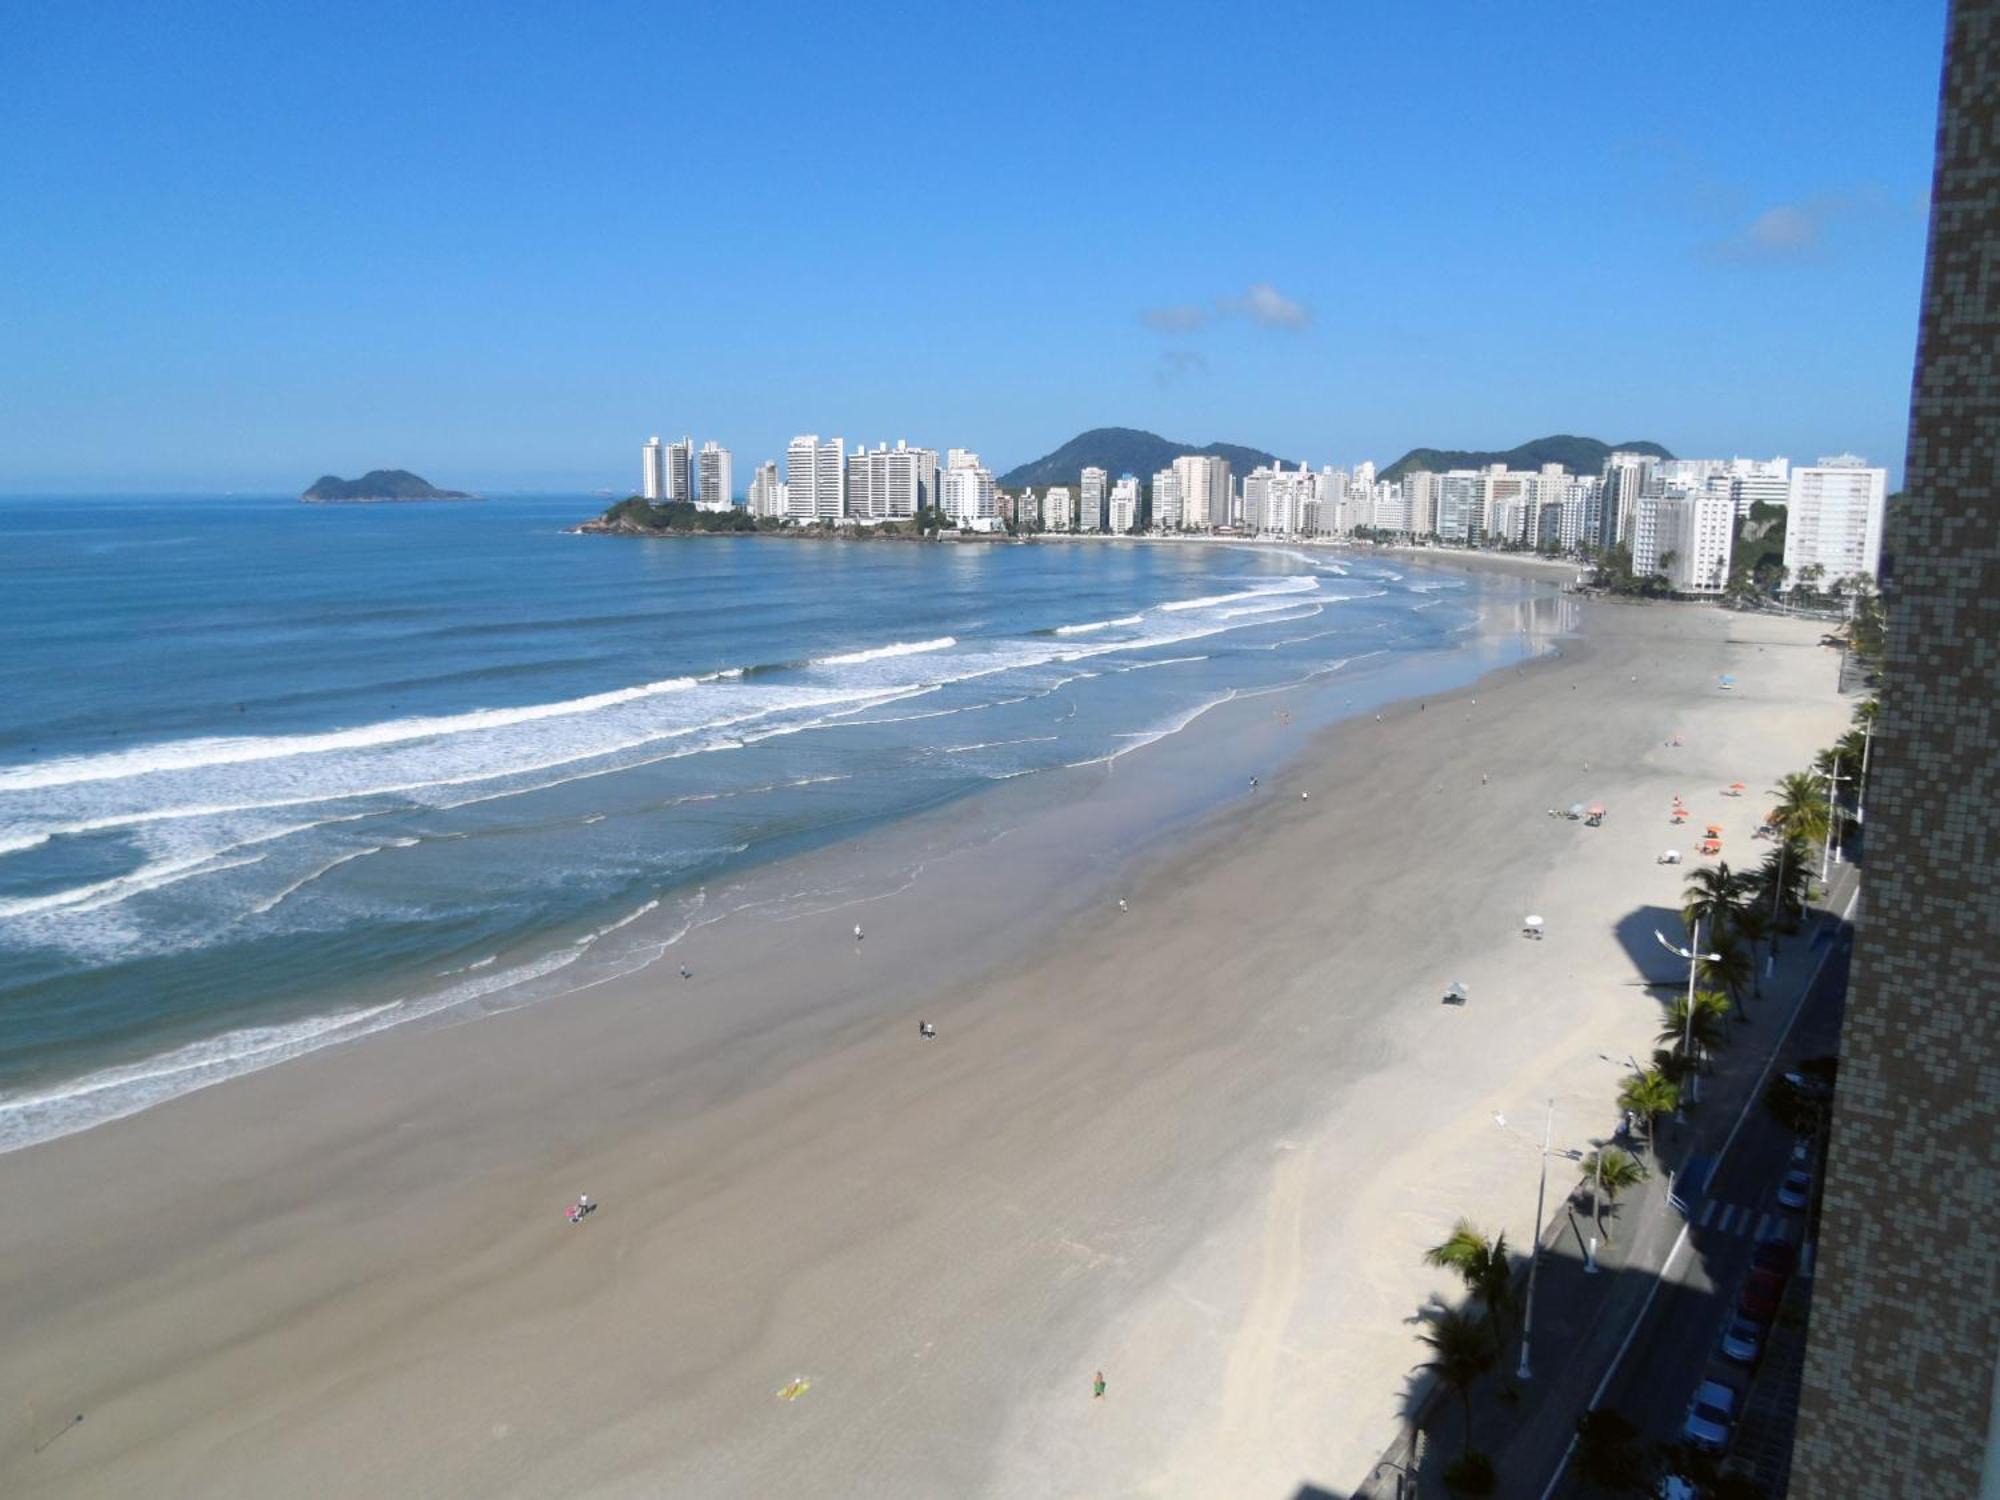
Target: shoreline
{"points": [[1103, 1142], [545, 965]]}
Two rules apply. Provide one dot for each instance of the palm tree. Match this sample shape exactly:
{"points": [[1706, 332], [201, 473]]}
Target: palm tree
{"points": [[1752, 923], [1781, 879], [1608, 1173], [1463, 1349], [1712, 896], [1802, 808], [1649, 1095], [1734, 967], [1708, 1030], [1482, 1265]]}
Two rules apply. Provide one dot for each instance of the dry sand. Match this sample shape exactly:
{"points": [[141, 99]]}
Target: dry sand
{"points": [[1199, 1145]]}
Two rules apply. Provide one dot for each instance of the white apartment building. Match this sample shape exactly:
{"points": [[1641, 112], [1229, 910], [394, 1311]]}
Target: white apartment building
{"points": [[1125, 503], [1167, 499], [814, 485], [1389, 507], [1058, 511], [1759, 481], [680, 471], [970, 497], [1205, 484], [717, 477], [888, 484], [1420, 501], [767, 492], [1461, 505], [1626, 478], [1090, 508], [1028, 510], [1689, 538], [1835, 519], [653, 470], [1331, 518]]}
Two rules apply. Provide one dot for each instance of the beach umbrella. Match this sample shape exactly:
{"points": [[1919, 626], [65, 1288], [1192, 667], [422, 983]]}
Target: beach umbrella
{"points": [[1576, 809], [1715, 830], [1738, 786], [1670, 857], [1597, 809]]}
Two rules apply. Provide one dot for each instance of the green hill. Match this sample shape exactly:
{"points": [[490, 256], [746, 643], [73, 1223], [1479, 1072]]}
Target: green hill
{"points": [[1579, 455], [1123, 450], [379, 484]]}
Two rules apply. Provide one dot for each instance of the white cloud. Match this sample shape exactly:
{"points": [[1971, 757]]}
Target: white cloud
{"points": [[1268, 307], [1263, 304]]}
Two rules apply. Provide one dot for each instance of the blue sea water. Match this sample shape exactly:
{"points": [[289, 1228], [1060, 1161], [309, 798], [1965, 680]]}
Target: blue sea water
{"points": [[274, 774]]}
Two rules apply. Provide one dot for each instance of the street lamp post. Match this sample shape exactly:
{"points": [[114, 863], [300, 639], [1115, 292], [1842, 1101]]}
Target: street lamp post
{"points": [[1694, 956], [1535, 1246], [1833, 780]]}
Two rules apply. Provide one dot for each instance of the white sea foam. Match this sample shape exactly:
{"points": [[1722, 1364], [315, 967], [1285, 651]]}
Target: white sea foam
{"points": [[884, 653], [1085, 629], [1293, 585], [199, 754]]}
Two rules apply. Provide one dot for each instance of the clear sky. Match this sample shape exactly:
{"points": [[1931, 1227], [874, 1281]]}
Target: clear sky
{"points": [[500, 244]]}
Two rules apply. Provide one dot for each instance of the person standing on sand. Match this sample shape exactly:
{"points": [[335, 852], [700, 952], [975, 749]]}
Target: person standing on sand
{"points": [[1097, 1389]]}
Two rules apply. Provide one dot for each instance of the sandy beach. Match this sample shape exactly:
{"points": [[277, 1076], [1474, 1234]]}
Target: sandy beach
{"points": [[1197, 1144]]}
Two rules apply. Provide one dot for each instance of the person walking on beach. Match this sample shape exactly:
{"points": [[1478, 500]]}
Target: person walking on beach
{"points": [[1097, 1388]]}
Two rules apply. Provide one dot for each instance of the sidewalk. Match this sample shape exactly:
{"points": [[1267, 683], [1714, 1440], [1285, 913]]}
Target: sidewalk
{"points": [[1583, 1320]]}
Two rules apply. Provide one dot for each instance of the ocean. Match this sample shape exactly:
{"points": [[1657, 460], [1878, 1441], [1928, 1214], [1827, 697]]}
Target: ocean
{"points": [[277, 775]]}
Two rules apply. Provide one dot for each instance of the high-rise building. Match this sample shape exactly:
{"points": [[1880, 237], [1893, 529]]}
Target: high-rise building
{"points": [[718, 477], [1461, 505], [653, 470], [1834, 519], [1167, 499], [1027, 510], [1332, 518], [680, 471], [1420, 494], [814, 481], [1626, 476], [1125, 503], [767, 493], [1903, 1341], [1090, 513], [970, 498]]}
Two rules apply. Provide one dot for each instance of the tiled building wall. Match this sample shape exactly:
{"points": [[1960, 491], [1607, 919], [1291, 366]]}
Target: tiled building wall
{"points": [[1906, 1312]]}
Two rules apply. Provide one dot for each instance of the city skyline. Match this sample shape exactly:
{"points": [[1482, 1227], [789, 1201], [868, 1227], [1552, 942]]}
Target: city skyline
{"points": [[460, 281]]}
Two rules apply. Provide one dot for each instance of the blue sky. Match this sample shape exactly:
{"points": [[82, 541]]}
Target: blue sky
{"points": [[241, 245]]}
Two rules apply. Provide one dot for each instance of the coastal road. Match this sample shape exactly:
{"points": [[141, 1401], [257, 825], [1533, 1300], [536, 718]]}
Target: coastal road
{"points": [[1677, 1342]]}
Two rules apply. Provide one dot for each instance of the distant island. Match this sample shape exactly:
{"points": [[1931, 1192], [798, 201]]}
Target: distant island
{"points": [[1125, 450], [1578, 455], [377, 485]]}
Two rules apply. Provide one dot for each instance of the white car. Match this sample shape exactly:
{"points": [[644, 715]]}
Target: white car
{"points": [[1710, 1415], [1796, 1190]]}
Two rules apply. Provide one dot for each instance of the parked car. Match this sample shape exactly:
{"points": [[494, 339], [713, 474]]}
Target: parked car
{"points": [[1743, 1340], [1777, 1255], [1796, 1190], [1710, 1416], [1760, 1296]]}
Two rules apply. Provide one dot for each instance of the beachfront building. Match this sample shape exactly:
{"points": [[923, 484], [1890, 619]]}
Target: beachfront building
{"points": [[717, 477], [1058, 510], [1420, 498], [970, 497], [1167, 500], [1330, 517], [1835, 519], [1090, 508], [815, 487], [1754, 481], [1204, 485], [1125, 503], [890, 484], [1027, 511], [1686, 539], [1461, 505], [680, 472], [1626, 477], [767, 492], [653, 470]]}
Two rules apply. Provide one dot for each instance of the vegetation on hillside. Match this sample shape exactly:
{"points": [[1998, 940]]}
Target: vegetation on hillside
{"points": [[1579, 455], [1124, 450]]}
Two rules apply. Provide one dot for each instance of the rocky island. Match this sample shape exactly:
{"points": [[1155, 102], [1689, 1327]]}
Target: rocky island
{"points": [[377, 485]]}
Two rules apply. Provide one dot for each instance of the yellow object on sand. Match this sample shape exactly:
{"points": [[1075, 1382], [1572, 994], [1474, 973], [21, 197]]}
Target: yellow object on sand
{"points": [[794, 1389]]}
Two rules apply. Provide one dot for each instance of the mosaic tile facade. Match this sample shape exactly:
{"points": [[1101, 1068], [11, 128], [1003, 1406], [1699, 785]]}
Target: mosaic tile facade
{"points": [[1900, 1360]]}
